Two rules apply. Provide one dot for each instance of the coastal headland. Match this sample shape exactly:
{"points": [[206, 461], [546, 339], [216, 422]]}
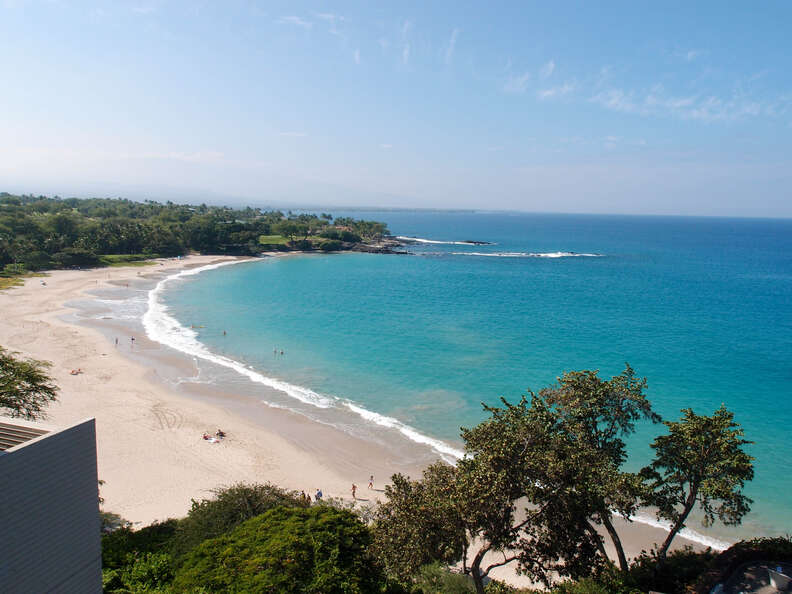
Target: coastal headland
{"points": [[151, 454]]}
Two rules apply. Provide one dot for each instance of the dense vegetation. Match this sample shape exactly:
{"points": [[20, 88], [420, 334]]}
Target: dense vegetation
{"points": [[25, 387], [560, 452], [38, 233]]}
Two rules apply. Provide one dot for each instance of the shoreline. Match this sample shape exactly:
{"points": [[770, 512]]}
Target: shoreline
{"points": [[150, 452]]}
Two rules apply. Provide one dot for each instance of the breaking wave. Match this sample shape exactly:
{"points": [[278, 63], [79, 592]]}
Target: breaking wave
{"points": [[163, 328], [527, 254]]}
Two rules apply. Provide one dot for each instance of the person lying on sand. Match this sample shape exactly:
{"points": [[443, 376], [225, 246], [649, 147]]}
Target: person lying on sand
{"points": [[220, 433]]}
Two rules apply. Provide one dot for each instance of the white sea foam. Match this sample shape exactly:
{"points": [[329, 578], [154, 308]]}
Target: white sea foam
{"points": [[692, 535], [527, 254], [448, 453], [161, 327], [434, 241]]}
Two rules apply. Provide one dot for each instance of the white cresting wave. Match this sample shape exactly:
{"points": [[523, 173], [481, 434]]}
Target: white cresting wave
{"points": [[691, 535], [163, 328], [434, 241], [527, 254]]}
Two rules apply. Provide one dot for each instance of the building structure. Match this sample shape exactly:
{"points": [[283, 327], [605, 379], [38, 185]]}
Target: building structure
{"points": [[50, 537]]}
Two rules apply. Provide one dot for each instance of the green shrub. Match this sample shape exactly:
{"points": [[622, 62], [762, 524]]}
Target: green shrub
{"points": [[75, 257], [149, 573], [436, 578], [118, 545], [331, 245], [229, 508], [681, 568], [319, 549]]}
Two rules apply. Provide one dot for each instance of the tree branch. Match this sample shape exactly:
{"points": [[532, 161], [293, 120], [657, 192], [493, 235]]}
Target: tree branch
{"points": [[506, 561]]}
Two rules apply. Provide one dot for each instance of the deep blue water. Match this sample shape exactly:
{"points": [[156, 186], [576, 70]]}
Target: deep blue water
{"points": [[702, 307]]}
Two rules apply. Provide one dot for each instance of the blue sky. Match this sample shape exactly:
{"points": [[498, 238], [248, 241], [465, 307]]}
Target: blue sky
{"points": [[634, 107]]}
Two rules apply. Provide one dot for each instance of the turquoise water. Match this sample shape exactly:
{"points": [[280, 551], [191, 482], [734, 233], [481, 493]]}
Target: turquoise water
{"points": [[701, 307]]}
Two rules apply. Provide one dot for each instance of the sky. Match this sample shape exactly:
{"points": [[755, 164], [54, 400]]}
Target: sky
{"points": [[618, 107]]}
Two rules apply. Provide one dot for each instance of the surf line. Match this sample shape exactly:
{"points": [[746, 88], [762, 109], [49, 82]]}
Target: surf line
{"points": [[163, 328]]}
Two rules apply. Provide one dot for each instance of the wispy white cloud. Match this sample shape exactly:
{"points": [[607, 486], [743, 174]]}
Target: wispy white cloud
{"points": [[558, 91], [656, 102], [547, 69], [293, 134], [517, 83], [199, 157], [383, 43], [356, 55], [333, 20], [689, 55], [144, 9], [296, 21], [386, 146], [405, 32], [449, 53]]}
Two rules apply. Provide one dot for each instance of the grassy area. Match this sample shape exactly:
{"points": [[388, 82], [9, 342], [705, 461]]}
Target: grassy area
{"points": [[6, 282], [273, 240], [127, 259]]}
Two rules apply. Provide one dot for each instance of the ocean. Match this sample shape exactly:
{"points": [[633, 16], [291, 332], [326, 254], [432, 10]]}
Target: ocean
{"points": [[410, 346]]}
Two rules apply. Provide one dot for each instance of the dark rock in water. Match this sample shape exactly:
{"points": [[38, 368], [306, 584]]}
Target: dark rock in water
{"points": [[386, 246], [474, 242]]}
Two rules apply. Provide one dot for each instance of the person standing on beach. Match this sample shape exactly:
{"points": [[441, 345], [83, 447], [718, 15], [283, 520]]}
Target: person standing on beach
{"points": [[371, 482], [318, 495], [354, 490]]}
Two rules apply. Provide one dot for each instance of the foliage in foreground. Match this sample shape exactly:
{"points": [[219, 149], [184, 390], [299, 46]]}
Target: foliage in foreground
{"points": [[319, 549], [25, 387], [229, 508], [561, 452]]}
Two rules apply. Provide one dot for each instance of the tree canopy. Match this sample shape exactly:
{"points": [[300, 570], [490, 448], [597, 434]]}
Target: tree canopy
{"points": [[37, 232], [541, 476], [25, 387], [700, 462], [320, 549]]}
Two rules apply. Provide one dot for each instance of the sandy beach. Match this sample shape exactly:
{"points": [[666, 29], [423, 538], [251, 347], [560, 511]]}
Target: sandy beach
{"points": [[151, 454]]}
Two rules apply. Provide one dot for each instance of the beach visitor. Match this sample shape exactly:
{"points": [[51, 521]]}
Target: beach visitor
{"points": [[354, 491], [116, 341], [371, 482], [220, 433], [318, 495]]}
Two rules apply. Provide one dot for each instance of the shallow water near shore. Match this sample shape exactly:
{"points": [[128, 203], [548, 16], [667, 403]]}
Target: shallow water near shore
{"points": [[412, 344]]}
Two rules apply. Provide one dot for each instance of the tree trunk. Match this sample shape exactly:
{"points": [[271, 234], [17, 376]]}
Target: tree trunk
{"points": [[598, 538], [475, 570], [606, 520], [689, 503]]}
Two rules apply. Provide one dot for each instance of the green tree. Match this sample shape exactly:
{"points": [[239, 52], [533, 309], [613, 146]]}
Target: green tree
{"points": [[701, 461], [561, 453], [230, 507], [319, 549], [598, 414], [25, 388]]}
